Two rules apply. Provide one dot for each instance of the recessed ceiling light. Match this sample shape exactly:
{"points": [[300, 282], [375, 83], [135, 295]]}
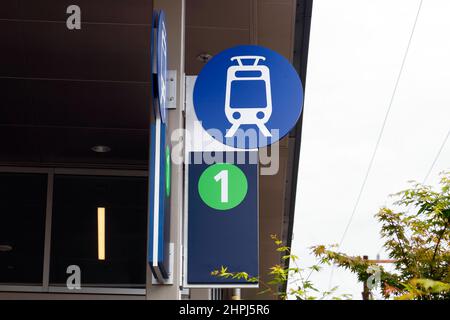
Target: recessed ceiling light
{"points": [[204, 57], [101, 149]]}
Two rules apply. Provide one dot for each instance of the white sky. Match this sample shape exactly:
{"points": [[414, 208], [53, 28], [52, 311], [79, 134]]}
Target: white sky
{"points": [[356, 49]]}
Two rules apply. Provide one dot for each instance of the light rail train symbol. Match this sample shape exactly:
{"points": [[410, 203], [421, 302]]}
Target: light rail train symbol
{"points": [[248, 96]]}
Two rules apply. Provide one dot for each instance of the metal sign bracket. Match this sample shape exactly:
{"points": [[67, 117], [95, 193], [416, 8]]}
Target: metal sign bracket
{"points": [[169, 280], [171, 89]]}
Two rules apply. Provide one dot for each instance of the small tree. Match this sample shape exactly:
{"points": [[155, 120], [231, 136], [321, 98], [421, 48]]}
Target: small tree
{"points": [[281, 275], [417, 238]]}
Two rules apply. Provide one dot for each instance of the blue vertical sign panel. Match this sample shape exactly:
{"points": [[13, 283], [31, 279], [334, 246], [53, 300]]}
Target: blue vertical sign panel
{"points": [[222, 231], [159, 202], [159, 169], [161, 64]]}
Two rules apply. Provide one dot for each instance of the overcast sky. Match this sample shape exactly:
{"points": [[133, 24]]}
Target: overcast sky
{"points": [[356, 49]]}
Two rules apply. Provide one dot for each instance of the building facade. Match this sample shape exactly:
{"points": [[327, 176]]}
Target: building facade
{"points": [[75, 108]]}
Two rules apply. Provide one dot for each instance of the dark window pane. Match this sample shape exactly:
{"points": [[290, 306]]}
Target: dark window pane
{"points": [[75, 230], [22, 227]]}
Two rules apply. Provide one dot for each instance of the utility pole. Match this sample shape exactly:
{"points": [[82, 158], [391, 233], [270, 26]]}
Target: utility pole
{"points": [[236, 294], [366, 294]]}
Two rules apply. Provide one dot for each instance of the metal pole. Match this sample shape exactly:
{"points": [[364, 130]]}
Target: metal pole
{"points": [[365, 293], [236, 294]]}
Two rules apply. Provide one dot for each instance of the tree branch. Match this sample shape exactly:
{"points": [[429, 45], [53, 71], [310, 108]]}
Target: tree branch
{"points": [[437, 248]]}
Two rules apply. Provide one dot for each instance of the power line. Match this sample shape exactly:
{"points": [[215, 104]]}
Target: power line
{"points": [[430, 169], [436, 157], [380, 135]]}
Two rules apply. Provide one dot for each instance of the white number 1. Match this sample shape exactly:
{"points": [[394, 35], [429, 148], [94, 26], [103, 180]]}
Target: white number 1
{"points": [[222, 176]]}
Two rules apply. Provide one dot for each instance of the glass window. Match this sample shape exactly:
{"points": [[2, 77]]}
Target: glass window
{"points": [[100, 225], [22, 227]]}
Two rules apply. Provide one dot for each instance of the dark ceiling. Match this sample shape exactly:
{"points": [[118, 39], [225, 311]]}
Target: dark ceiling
{"points": [[64, 91]]}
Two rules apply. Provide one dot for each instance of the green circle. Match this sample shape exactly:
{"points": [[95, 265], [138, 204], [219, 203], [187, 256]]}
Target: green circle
{"points": [[167, 171], [222, 186]]}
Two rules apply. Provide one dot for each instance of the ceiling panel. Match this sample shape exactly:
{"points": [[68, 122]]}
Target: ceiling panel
{"points": [[234, 14], [218, 40], [76, 104], [212, 26], [12, 49], [64, 91], [10, 9], [96, 52], [73, 145], [26, 145], [87, 104], [275, 26], [19, 144], [99, 11], [15, 104]]}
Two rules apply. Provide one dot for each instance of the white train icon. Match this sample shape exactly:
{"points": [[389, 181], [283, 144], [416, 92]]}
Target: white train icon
{"points": [[248, 95]]}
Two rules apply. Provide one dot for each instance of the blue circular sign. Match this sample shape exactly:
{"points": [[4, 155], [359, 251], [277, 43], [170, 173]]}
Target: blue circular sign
{"points": [[251, 94], [161, 64]]}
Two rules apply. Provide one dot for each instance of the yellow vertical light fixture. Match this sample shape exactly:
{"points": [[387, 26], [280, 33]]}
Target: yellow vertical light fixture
{"points": [[101, 232]]}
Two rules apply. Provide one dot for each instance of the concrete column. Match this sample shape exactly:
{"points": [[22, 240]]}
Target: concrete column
{"points": [[200, 294]]}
